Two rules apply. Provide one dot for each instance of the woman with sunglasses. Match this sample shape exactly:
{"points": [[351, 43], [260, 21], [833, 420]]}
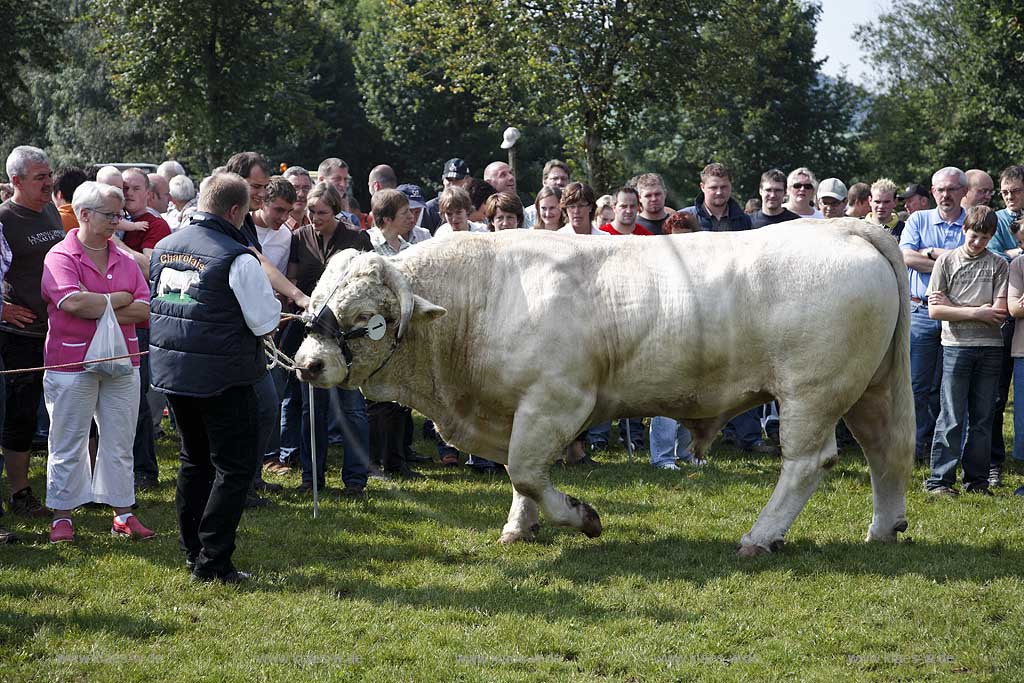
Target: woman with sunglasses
{"points": [[80, 275], [801, 186]]}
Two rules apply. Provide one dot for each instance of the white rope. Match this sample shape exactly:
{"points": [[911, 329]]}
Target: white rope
{"points": [[277, 357]]}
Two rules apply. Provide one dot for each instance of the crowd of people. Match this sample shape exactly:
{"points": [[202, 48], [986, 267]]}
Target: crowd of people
{"points": [[143, 294]]}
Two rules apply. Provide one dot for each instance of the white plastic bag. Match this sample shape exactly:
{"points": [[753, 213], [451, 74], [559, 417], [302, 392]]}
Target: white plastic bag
{"points": [[107, 343]]}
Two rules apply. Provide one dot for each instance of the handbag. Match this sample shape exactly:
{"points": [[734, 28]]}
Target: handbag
{"points": [[106, 343]]}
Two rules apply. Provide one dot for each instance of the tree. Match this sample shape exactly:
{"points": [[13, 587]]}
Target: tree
{"points": [[585, 67], [954, 86], [32, 32], [218, 75]]}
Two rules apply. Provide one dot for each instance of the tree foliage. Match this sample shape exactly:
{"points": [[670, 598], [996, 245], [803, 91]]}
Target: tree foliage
{"points": [[953, 75], [217, 74]]}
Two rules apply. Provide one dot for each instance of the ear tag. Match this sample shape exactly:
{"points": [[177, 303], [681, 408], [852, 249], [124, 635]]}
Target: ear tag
{"points": [[376, 327]]}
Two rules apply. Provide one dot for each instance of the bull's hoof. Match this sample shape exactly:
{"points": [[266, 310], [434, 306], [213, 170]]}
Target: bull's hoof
{"points": [[509, 536], [591, 522], [753, 551], [875, 536]]}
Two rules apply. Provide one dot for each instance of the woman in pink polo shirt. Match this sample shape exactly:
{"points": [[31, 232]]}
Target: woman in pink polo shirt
{"points": [[78, 274]]}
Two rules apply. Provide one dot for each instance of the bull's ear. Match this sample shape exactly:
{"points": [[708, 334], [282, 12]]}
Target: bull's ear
{"points": [[425, 311]]}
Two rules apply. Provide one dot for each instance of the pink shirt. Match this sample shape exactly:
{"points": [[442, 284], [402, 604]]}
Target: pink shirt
{"points": [[66, 270]]}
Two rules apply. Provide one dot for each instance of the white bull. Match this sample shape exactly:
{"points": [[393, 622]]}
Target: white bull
{"points": [[514, 343]]}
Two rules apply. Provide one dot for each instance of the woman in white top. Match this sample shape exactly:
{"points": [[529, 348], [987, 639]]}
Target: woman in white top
{"points": [[578, 204]]}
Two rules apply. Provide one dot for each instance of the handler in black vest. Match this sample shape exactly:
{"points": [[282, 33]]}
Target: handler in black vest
{"points": [[211, 304]]}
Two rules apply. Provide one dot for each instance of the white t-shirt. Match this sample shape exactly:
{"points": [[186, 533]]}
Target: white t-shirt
{"points": [[817, 213], [277, 245], [446, 229], [567, 228], [251, 287]]}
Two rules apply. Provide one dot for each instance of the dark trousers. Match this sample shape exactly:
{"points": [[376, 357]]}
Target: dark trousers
{"points": [[23, 391], [1005, 380], [387, 434], [144, 448], [219, 437]]}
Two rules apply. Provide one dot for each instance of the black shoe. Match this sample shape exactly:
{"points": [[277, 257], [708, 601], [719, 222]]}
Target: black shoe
{"points": [[762, 447], [353, 492], [253, 501], [268, 487], [26, 504], [1019, 491], [406, 473], [307, 487], [413, 456], [146, 484], [995, 476], [598, 446], [190, 562], [7, 536], [232, 577], [983, 490]]}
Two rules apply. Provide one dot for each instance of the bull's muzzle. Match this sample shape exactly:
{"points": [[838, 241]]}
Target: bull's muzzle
{"points": [[310, 371]]}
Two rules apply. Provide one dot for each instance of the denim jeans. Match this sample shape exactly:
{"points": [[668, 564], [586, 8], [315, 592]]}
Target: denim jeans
{"points": [[280, 377], [291, 419], [267, 414], [745, 428], [1018, 409], [669, 440], [144, 448], [925, 363], [600, 434], [349, 412], [321, 406], [1005, 379], [970, 378]]}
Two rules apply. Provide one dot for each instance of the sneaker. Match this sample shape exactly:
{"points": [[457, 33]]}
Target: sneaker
{"points": [[995, 476], [668, 466], [232, 577], [61, 531], [983, 490], [132, 528], [943, 491], [25, 503]]}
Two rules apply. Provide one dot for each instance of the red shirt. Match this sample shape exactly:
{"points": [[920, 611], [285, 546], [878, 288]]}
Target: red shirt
{"points": [[637, 230], [147, 239]]}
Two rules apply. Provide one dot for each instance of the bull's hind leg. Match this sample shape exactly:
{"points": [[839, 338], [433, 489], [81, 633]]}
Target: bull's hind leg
{"points": [[540, 432], [808, 449], [890, 458]]}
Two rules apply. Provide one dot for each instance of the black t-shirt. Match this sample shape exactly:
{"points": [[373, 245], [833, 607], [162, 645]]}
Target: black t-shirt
{"points": [[760, 219], [654, 226], [309, 254], [30, 235]]}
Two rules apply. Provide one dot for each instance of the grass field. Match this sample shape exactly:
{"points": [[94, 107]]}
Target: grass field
{"points": [[411, 585]]}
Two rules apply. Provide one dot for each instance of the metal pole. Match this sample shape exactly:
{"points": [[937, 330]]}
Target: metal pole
{"points": [[312, 452]]}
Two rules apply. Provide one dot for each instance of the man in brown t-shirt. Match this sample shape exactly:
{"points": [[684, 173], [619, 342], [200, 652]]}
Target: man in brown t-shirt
{"points": [[31, 226]]}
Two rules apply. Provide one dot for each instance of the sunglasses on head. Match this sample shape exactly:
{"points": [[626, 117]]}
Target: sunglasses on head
{"points": [[802, 186]]}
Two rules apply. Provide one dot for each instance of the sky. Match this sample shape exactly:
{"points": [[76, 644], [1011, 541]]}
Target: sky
{"points": [[835, 31]]}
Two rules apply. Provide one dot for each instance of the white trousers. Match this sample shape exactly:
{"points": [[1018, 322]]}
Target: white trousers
{"points": [[73, 399]]}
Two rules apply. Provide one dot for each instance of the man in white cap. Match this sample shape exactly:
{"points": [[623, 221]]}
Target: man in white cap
{"points": [[832, 198]]}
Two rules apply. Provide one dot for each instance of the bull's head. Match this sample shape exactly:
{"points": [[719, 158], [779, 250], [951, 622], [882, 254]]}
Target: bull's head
{"points": [[356, 288]]}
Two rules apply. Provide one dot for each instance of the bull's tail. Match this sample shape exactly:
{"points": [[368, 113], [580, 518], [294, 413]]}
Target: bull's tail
{"points": [[883, 419]]}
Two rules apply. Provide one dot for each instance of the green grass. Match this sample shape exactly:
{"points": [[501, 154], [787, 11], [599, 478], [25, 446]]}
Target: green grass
{"points": [[411, 585]]}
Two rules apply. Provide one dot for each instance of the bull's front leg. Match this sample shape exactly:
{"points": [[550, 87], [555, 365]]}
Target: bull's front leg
{"points": [[540, 433]]}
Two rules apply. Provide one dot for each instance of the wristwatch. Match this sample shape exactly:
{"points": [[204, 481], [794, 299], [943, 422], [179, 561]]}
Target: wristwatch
{"points": [[930, 253]]}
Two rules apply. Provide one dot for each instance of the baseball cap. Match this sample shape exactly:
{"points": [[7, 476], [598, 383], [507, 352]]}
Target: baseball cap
{"points": [[913, 189], [414, 194], [455, 168], [832, 187]]}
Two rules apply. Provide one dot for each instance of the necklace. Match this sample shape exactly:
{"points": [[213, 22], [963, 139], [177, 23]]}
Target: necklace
{"points": [[103, 248]]}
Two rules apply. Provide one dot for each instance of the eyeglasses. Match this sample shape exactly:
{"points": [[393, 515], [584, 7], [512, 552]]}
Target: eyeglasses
{"points": [[802, 186], [111, 217]]}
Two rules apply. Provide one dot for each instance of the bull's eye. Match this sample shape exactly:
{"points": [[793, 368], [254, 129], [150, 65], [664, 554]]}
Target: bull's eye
{"points": [[363, 318]]}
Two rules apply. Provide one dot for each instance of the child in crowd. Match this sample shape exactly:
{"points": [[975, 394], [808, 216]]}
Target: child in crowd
{"points": [[967, 293]]}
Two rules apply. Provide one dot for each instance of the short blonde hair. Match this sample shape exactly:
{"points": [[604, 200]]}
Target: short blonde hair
{"points": [[884, 185], [91, 195]]}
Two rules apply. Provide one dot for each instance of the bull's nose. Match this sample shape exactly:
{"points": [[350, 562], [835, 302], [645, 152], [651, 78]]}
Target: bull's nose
{"points": [[310, 370]]}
